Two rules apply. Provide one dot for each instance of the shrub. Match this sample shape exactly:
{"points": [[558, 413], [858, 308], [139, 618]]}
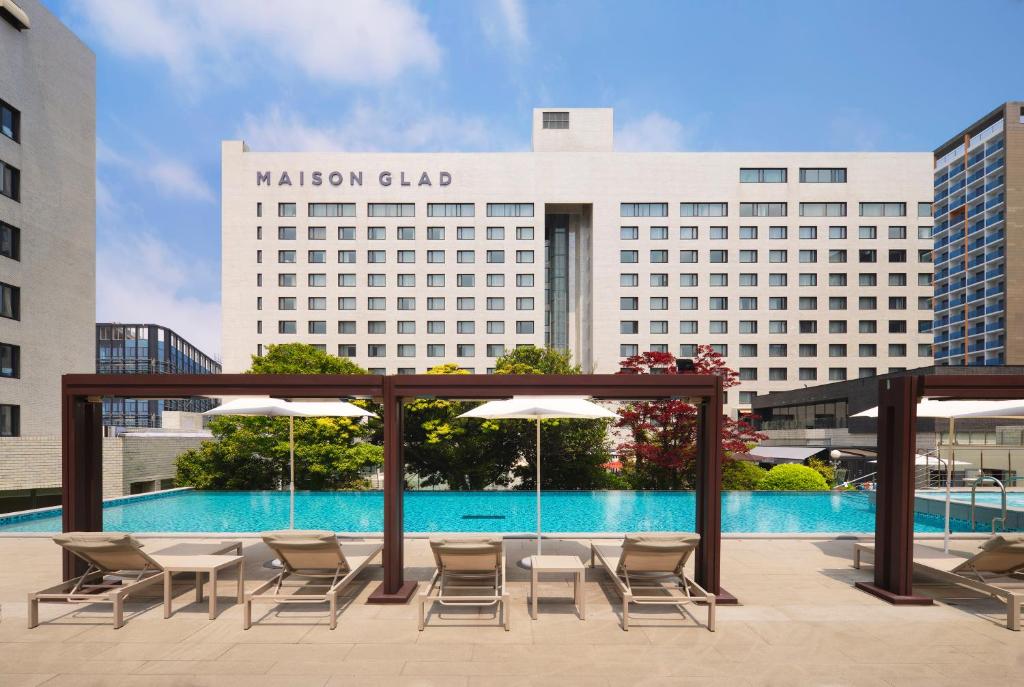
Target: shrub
{"points": [[792, 477], [823, 469], [741, 475]]}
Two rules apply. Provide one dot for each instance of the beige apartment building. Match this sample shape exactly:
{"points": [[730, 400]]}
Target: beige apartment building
{"points": [[799, 268]]}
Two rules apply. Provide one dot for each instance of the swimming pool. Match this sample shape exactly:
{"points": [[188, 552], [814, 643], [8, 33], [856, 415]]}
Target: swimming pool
{"points": [[482, 511], [1014, 499]]}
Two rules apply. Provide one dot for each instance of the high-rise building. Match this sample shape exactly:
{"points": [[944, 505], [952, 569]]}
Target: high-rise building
{"points": [[798, 267], [47, 216], [148, 349], [979, 237]]}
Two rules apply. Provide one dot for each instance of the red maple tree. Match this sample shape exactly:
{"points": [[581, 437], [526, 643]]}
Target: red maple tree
{"points": [[662, 440]]}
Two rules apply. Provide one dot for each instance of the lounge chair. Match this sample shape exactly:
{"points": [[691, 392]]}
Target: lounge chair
{"points": [[119, 555], [467, 564], [315, 561], [648, 570], [997, 570]]}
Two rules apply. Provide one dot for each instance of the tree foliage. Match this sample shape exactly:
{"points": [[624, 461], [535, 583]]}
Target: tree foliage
{"points": [[252, 452], [662, 435], [741, 475], [471, 454], [793, 477]]}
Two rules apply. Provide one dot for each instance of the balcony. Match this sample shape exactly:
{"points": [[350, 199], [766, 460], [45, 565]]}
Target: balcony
{"points": [[994, 219], [997, 307], [994, 326], [994, 166]]}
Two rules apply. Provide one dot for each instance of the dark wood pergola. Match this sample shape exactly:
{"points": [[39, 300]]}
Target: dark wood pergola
{"points": [[82, 435], [897, 442]]}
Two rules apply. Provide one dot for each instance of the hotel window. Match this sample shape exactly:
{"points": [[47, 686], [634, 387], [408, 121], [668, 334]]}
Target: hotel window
{"points": [[748, 279], [10, 420], [286, 280], [435, 233], [524, 233], [808, 256], [495, 233], [377, 257], [376, 234], [808, 303], [377, 350], [391, 209], [836, 374], [436, 327], [687, 303], [465, 303], [464, 280], [897, 255], [748, 232], [259, 209], [777, 374], [659, 233], [748, 256], [317, 326], [346, 303], [837, 303], [495, 280], [688, 233], [777, 350], [346, 326], [837, 255], [10, 360], [867, 279], [762, 209], [495, 303], [629, 327], [347, 279], [837, 279], [778, 232], [897, 326], [643, 209], [778, 326], [867, 327], [748, 303], [883, 209], [924, 232], [867, 303], [629, 303], [808, 279], [526, 256], [286, 233], [837, 233], [451, 210], [495, 256], [837, 350], [630, 256], [924, 255], [687, 350], [778, 256], [286, 209], [748, 327], [867, 232], [658, 303], [435, 303], [628, 350], [808, 232], [524, 280], [659, 279], [778, 279], [555, 120], [286, 256], [462, 327], [924, 303], [808, 373], [703, 209], [465, 350], [717, 256], [659, 327], [331, 209], [718, 303], [286, 327], [897, 232], [687, 279], [10, 241], [763, 175], [688, 326], [346, 233], [406, 350], [659, 256], [867, 255], [465, 257], [898, 279], [524, 327], [808, 326], [495, 327], [10, 122], [897, 350], [316, 233], [346, 350], [376, 303], [924, 209], [376, 280], [287, 303], [865, 350], [316, 256], [823, 175], [719, 233], [495, 350], [748, 373], [629, 279], [718, 279], [510, 209], [778, 303], [346, 256], [435, 257]]}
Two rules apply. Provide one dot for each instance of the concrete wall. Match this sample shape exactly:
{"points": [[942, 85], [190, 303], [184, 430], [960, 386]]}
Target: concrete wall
{"points": [[48, 74]]}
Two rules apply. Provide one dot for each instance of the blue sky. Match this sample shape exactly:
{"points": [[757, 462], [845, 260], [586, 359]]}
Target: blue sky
{"points": [[175, 77]]}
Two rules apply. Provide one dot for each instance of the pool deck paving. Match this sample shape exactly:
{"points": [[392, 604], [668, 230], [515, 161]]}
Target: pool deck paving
{"points": [[800, 622]]}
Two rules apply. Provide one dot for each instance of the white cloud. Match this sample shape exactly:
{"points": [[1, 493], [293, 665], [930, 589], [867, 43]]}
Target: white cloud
{"points": [[171, 178], [341, 41], [139, 278], [504, 25], [369, 128], [654, 132]]}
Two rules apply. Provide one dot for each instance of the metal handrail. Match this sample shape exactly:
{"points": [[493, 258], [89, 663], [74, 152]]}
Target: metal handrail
{"points": [[974, 491], [859, 479]]}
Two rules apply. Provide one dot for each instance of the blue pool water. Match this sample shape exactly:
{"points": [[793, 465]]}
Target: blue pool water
{"points": [[490, 511], [990, 498]]}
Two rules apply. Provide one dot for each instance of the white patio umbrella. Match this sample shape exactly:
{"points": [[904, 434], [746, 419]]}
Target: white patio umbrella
{"points": [[539, 408], [951, 410], [265, 406]]}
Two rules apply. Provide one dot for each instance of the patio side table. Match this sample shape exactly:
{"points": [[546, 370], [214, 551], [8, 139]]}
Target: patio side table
{"points": [[559, 564], [209, 565]]}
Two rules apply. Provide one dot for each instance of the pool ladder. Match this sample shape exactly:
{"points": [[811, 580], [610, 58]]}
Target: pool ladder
{"points": [[974, 490]]}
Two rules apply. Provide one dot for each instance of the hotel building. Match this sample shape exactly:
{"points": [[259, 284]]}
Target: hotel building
{"points": [[979, 236], [799, 268], [47, 219]]}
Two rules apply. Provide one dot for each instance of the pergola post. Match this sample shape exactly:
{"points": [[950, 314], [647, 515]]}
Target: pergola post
{"points": [[894, 504], [394, 588], [707, 566], [81, 471]]}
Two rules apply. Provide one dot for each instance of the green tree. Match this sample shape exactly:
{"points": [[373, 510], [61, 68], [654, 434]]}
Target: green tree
{"points": [[741, 475], [252, 452], [792, 477], [824, 469]]}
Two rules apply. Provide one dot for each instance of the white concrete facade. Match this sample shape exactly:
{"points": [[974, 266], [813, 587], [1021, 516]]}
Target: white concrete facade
{"points": [[594, 189], [48, 76]]}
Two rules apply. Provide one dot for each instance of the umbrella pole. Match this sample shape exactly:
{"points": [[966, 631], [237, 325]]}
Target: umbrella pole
{"points": [[291, 485], [949, 479], [538, 486]]}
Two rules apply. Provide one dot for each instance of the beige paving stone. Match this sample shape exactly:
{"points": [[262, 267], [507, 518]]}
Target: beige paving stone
{"points": [[350, 668]]}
